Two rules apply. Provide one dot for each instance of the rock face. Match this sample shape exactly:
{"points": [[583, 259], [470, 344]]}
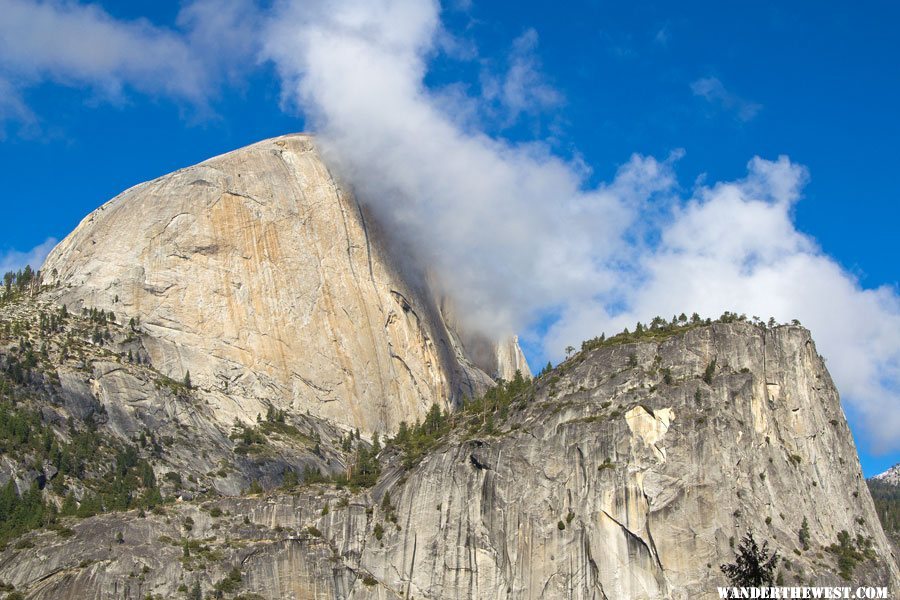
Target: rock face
{"points": [[630, 471], [511, 359], [613, 483], [260, 275], [92, 380]]}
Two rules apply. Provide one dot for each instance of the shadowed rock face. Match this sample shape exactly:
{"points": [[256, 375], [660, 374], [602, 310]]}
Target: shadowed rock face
{"points": [[621, 474], [260, 274]]}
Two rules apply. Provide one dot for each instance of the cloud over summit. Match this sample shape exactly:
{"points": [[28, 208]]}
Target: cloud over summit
{"points": [[512, 230], [515, 234]]}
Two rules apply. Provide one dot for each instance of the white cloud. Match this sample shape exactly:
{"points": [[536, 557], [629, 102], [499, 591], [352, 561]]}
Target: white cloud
{"points": [[733, 246], [81, 45], [506, 228], [663, 35], [513, 234], [13, 260], [510, 230], [12, 107], [222, 34], [522, 88], [711, 89]]}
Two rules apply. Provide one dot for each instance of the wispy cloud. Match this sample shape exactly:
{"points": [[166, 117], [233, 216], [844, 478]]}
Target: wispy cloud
{"points": [[73, 43], [81, 45], [733, 246], [663, 35], [523, 88], [13, 107], [506, 228], [13, 260], [512, 232], [714, 92]]}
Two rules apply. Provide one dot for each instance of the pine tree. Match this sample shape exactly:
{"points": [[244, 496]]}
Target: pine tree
{"points": [[187, 379], [366, 469], [8, 500], [290, 480], [196, 592], [434, 420], [710, 372], [753, 566], [69, 505], [804, 534]]}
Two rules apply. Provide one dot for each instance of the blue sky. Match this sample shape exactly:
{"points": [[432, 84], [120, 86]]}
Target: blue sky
{"points": [[719, 82]]}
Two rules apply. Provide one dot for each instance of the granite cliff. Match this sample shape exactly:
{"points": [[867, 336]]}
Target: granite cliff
{"points": [[627, 472], [261, 275], [180, 390]]}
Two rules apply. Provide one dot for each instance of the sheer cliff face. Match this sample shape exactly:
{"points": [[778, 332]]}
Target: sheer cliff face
{"points": [[258, 273], [630, 471], [617, 480], [622, 474]]}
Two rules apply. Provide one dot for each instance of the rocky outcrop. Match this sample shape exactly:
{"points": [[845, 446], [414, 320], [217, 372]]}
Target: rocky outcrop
{"points": [[511, 359], [885, 490], [500, 359], [891, 476], [95, 375], [629, 476], [630, 471], [259, 274]]}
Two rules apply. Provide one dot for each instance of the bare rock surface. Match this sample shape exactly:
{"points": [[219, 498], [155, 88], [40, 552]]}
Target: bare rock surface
{"points": [[630, 471], [96, 376], [258, 273]]}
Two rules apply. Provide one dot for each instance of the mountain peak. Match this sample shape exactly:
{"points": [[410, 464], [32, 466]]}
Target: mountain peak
{"points": [[241, 325], [891, 476], [261, 275]]}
